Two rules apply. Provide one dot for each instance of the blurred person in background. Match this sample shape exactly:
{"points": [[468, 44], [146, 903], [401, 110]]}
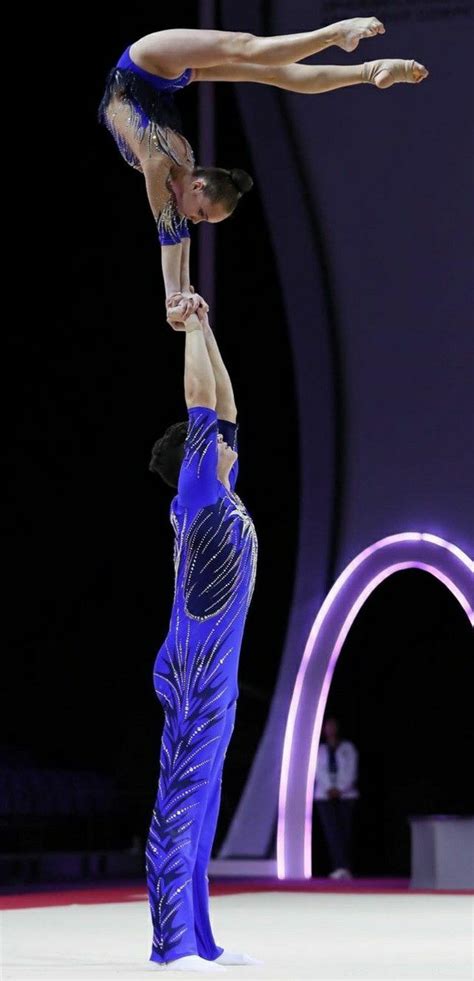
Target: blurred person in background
{"points": [[335, 794]]}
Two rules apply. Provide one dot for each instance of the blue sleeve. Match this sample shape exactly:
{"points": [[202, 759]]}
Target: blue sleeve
{"points": [[229, 431], [172, 232], [198, 483]]}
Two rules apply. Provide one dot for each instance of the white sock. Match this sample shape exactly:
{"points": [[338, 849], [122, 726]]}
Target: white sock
{"points": [[228, 957], [194, 963]]}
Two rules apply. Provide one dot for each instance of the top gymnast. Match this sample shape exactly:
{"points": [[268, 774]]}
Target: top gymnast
{"points": [[138, 109]]}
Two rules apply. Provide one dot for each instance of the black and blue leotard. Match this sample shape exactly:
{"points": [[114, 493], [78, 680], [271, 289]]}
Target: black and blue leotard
{"points": [[152, 113]]}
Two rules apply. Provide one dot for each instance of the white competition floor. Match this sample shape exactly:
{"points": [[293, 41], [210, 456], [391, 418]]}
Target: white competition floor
{"points": [[317, 936]]}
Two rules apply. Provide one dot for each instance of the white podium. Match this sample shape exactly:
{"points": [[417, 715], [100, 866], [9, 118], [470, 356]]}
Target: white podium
{"points": [[442, 852]]}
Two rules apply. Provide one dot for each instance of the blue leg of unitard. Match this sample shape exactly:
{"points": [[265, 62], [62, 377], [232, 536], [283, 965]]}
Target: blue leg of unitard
{"points": [[205, 941], [193, 745]]}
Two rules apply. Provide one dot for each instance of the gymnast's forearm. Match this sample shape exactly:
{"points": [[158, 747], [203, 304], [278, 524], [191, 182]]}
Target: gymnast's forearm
{"points": [[172, 265], [185, 277], [199, 382], [225, 401]]}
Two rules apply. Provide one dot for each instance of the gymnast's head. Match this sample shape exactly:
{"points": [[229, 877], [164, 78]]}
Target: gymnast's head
{"points": [[210, 193], [168, 453]]}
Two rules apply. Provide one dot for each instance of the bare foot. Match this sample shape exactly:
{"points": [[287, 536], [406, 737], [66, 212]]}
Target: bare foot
{"points": [[350, 32], [385, 73]]}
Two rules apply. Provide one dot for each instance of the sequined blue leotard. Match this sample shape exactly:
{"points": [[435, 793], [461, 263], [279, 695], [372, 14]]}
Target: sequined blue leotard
{"points": [[153, 113]]}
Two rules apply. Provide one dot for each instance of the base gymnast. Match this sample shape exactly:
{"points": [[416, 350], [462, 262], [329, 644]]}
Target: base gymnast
{"points": [[196, 668]]}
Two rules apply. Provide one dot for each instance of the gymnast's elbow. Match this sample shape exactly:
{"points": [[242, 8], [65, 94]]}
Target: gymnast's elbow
{"points": [[197, 395]]}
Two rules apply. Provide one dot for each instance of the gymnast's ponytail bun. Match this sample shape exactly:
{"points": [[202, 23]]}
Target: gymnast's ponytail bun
{"points": [[224, 187], [241, 179]]}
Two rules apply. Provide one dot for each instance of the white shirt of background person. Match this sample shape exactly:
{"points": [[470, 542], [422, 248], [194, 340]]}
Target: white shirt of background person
{"points": [[345, 777]]}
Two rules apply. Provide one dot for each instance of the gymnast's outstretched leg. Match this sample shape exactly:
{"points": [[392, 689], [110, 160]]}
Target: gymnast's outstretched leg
{"points": [[315, 79], [169, 53]]}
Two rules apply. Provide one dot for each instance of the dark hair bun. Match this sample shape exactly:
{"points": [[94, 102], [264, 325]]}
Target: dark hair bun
{"points": [[241, 179]]}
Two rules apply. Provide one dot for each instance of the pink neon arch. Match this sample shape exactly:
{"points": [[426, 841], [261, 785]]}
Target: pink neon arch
{"points": [[420, 550]]}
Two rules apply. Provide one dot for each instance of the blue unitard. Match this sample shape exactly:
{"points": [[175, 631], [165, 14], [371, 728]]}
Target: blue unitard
{"points": [[195, 677]]}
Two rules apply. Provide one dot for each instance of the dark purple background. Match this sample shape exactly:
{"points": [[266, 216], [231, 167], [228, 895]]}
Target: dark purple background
{"points": [[369, 200], [353, 422]]}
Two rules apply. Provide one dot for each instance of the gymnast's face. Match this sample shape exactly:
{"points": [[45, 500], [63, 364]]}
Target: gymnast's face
{"points": [[193, 202], [226, 458]]}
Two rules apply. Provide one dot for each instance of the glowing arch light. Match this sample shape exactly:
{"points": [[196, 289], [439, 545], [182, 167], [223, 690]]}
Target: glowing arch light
{"points": [[411, 550]]}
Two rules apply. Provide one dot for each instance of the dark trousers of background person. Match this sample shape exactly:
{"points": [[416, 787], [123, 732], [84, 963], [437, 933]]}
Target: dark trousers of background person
{"points": [[336, 818]]}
